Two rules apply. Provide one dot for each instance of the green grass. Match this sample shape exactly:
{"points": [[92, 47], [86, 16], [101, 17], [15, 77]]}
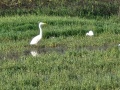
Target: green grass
{"points": [[69, 61]]}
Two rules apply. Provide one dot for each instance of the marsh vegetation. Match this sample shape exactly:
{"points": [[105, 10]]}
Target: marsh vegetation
{"points": [[65, 58]]}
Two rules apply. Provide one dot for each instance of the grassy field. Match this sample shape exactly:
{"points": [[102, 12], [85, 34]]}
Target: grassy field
{"points": [[66, 58]]}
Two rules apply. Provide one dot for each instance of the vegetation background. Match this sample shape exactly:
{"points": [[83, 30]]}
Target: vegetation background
{"points": [[60, 7], [66, 59]]}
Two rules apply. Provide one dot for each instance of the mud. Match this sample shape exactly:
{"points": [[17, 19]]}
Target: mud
{"points": [[60, 49]]}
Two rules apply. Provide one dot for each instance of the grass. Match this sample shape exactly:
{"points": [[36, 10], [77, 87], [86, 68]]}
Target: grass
{"points": [[69, 61]]}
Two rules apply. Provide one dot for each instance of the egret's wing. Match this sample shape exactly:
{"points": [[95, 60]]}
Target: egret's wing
{"points": [[91, 32], [35, 39]]}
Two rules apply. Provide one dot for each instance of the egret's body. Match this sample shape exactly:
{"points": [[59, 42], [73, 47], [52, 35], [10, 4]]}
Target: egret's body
{"points": [[119, 45], [37, 38], [90, 33]]}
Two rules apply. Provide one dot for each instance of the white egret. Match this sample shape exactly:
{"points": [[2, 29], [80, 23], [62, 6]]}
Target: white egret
{"points": [[35, 40], [119, 45], [90, 33]]}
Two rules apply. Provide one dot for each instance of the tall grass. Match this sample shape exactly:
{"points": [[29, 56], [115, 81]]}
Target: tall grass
{"points": [[67, 59]]}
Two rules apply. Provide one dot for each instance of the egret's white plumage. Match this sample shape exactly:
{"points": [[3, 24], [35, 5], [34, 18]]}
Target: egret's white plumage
{"points": [[35, 40], [119, 45], [90, 33]]}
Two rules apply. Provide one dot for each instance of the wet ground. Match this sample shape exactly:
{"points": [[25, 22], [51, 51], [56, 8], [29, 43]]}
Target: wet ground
{"points": [[60, 49], [34, 51]]}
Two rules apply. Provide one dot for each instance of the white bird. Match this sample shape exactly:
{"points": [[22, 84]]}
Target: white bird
{"points": [[35, 40], [119, 45], [90, 33]]}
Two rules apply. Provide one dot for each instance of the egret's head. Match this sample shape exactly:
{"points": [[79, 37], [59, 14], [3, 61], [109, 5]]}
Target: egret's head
{"points": [[41, 23]]}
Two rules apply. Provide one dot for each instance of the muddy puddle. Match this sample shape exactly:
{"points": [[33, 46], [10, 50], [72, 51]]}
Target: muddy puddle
{"points": [[34, 51], [37, 51]]}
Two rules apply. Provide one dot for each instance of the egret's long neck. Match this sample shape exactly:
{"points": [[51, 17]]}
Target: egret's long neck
{"points": [[40, 30]]}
